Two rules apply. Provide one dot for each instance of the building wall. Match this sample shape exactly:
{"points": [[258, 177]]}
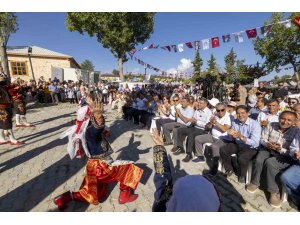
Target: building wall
{"points": [[41, 66]]}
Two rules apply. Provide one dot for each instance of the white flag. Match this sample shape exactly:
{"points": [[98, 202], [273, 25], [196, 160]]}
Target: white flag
{"points": [[180, 47], [205, 44], [239, 37], [288, 24]]}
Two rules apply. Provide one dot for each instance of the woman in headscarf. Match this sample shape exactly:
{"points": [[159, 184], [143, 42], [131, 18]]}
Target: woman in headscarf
{"points": [[191, 193]]}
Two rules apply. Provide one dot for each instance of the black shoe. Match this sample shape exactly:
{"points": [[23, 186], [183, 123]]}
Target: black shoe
{"points": [[228, 173], [187, 158], [199, 159], [242, 180], [174, 149], [179, 151]]}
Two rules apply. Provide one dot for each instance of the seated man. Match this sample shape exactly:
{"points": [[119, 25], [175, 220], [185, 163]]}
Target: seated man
{"points": [[219, 124], [291, 177], [141, 109], [259, 107], [198, 121], [273, 157], [271, 116], [172, 115], [183, 115], [246, 134], [152, 111]]}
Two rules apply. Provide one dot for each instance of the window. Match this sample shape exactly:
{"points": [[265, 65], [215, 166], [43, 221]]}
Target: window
{"points": [[19, 68]]}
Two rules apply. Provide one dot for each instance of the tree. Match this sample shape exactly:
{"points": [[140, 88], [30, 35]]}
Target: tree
{"points": [[8, 26], [212, 67], [120, 32], [115, 72], [197, 63], [230, 61], [87, 65], [281, 46]]}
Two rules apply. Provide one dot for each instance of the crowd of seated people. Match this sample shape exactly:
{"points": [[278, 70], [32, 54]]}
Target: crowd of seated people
{"points": [[262, 132]]}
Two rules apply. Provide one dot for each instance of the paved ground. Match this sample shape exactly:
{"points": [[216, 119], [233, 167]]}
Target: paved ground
{"points": [[32, 175]]}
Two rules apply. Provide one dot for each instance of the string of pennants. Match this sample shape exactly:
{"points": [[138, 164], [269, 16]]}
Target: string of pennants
{"points": [[214, 42], [163, 73]]}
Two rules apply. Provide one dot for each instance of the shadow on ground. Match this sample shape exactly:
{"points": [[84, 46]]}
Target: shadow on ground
{"points": [[31, 193]]}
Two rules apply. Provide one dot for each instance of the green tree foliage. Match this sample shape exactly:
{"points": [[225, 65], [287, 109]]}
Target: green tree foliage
{"points": [[115, 72], [197, 63], [120, 32], [230, 68], [8, 26], [213, 67], [87, 65], [281, 46]]}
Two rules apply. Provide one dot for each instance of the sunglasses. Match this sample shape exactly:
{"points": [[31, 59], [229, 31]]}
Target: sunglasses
{"points": [[176, 100], [220, 110], [280, 85]]}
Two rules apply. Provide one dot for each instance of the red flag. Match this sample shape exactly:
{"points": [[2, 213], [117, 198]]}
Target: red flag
{"points": [[189, 44], [297, 21], [133, 51], [215, 42], [251, 33]]}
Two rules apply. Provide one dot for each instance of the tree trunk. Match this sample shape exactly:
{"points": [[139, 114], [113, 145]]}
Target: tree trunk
{"points": [[120, 64], [296, 76], [4, 59]]}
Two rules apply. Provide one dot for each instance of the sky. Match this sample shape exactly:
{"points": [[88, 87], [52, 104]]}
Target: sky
{"points": [[48, 30]]}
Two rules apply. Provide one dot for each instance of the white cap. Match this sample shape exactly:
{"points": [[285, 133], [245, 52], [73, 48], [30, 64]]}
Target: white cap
{"points": [[214, 101]]}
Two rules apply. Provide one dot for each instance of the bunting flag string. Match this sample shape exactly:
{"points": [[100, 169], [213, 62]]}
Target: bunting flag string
{"points": [[205, 43], [177, 74], [163, 73], [214, 42]]}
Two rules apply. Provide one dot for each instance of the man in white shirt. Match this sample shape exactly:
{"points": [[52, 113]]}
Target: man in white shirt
{"points": [[172, 115], [183, 116], [219, 124], [264, 118], [141, 108], [198, 122], [105, 94], [53, 92]]}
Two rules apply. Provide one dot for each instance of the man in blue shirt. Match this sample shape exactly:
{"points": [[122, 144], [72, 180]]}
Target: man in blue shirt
{"points": [[291, 177], [245, 133]]}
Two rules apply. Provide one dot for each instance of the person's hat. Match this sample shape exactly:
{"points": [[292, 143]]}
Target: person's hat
{"points": [[232, 104], [214, 101]]}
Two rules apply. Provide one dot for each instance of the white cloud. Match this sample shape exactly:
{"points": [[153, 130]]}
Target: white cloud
{"points": [[184, 66], [172, 70], [136, 70]]}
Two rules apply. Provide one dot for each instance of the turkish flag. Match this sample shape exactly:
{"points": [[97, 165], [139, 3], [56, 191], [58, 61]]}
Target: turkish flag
{"points": [[297, 21], [251, 33], [189, 44], [215, 42]]}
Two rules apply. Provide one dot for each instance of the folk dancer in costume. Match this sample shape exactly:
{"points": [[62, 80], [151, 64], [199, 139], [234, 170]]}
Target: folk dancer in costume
{"points": [[18, 95], [6, 112], [191, 193], [100, 168]]}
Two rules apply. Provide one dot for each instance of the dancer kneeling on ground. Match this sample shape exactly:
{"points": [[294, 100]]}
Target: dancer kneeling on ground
{"points": [[100, 168]]}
